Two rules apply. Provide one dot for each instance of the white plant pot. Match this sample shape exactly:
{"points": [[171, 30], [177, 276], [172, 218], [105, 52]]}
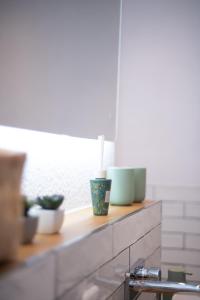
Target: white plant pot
{"points": [[50, 221]]}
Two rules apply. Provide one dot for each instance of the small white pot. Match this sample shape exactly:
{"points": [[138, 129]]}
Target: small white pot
{"points": [[50, 221]]}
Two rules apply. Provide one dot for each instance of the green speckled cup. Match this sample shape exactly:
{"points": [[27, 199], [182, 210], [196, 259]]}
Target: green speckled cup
{"points": [[100, 192]]}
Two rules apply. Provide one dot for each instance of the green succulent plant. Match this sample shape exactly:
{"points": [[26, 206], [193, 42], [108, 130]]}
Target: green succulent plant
{"points": [[50, 202], [27, 204]]}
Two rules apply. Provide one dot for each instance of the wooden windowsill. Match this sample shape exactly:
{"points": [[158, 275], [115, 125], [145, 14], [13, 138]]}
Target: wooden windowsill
{"points": [[76, 225]]}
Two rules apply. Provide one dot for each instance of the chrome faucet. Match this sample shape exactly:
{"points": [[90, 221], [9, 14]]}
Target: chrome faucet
{"points": [[149, 280], [163, 286], [140, 272]]}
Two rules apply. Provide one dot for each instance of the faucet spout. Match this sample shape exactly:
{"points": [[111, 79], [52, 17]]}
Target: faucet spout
{"points": [[163, 286]]}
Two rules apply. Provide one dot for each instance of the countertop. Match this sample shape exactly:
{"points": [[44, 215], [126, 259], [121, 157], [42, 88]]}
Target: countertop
{"points": [[76, 225]]}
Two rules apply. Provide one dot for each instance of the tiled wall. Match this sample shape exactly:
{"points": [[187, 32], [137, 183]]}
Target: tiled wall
{"points": [[130, 239], [180, 228], [92, 268]]}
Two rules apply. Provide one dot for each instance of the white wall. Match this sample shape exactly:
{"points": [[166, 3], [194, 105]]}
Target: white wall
{"points": [[57, 164], [159, 100], [159, 117]]}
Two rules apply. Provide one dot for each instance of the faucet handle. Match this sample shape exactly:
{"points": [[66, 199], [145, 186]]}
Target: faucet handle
{"points": [[138, 268], [137, 272], [140, 272]]}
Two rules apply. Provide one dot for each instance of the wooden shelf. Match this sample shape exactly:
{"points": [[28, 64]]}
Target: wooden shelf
{"points": [[76, 225]]}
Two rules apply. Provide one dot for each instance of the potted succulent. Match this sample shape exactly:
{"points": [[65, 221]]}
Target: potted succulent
{"points": [[50, 217], [29, 223]]}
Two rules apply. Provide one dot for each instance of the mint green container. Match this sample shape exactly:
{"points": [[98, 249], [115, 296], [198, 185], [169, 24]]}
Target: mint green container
{"points": [[122, 190], [140, 184]]}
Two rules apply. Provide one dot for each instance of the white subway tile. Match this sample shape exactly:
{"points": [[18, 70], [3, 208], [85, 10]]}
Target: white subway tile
{"points": [[195, 273], [171, 209], [154, 260], [150, 192], [36, 280], [129, 230], [177, 193], [192, 242], [192, 210], [126, 232], [185, 296], [164, 270], [146, 246], [147, 296], [172, 240], [118, 294], [181, 257], [80, 259], [152, 216], [181, 225], [103, 282]]}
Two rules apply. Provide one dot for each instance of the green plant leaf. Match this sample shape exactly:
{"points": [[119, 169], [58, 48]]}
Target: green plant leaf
{"points": [[50, 202]]}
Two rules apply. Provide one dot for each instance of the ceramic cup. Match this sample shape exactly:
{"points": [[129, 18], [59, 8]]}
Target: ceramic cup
{"points": [[100, 193], [122, 191], [140, 184]]}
